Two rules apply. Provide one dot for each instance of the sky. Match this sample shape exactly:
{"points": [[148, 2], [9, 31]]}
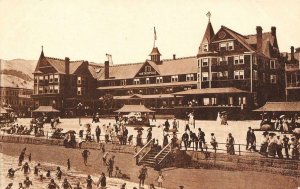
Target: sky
{"points": [[87, 30]]}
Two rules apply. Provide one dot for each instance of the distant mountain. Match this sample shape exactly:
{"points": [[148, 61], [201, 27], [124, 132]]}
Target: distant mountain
{"points": [[17, 73]]}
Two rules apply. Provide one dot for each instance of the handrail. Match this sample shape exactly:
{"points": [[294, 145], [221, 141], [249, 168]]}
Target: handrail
{"points": [[144, 156], [162, 150], [164, 157], [146, 145]]}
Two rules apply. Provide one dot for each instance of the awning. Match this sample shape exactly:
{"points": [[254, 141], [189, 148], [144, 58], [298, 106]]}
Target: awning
{"points": [[227, 90], [134, 108], [280, 107], [189, 83], [45, 109]]}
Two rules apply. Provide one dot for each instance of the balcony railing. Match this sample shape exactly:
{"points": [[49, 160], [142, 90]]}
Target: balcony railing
{"points": [[291, 85]]}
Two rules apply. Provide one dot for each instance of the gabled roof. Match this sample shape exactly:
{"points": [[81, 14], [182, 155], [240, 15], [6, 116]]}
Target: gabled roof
{"points": [[45, 109], [133, 108], [207, 37], [177, 66]]}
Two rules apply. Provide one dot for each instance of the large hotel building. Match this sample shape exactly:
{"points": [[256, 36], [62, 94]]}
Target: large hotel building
{"points": [[231, 72]]}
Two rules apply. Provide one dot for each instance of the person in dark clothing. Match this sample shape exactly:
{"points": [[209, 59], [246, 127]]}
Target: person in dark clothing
{"points": [[194, 141], [98, 132], [37, 169], [58, 173], [279, 148], [48, 174], [201, 138], [286, 146], [29, 157], [52, 185], [27, 182], [9, 186], [69, 164], [252, 141], [102, 181], [85, 155], [167, 125], [66, 184], [125, 135], [11, 172], [149, 135], [248, 138], [110, 166], [185, 139], [187, 127], [89, 182], [26, 168], [142, 176]]}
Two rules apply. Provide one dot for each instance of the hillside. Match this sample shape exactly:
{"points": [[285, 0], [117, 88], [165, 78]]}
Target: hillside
{"points": [[17, 73]]}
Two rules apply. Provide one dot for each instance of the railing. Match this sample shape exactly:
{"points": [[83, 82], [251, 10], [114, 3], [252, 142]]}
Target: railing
{"points": [[296, 84], [143, 148], [167, 147], [291, 67]]}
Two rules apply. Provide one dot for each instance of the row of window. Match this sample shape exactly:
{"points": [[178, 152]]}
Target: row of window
{"points": [[223, 46], [52, 78], [174, 78], [52, 89], [14, 92], [230, 101], [238, 75]]}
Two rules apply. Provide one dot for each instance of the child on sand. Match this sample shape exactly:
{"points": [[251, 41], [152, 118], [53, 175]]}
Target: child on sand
{"points": [[160, 179]]}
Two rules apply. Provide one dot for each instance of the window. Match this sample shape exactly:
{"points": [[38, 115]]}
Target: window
{"points": [[56, 89], [51, 79], [204, 62], [79, 80], [223, 60], [223, 46], [174, 78], [51, 89], [205, 101], [189, 77], [159, 79], [239, 59], [223, 75], [46, 90], [273, 79], [264, 78], [213, 100], [79, 91], [242, 100], [254, 60], [254, 76], [136, 81], [204, 76], [147, 68], [46, 78], [214, 76], [230, 100], [35, 79], [56, 78], [123, 82], [41, 90], [147, 80], [272, 64], [205, 47], [239, 74], [230, 45]]}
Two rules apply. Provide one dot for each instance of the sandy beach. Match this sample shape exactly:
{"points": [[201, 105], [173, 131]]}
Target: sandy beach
{"points": [[174, 177]]}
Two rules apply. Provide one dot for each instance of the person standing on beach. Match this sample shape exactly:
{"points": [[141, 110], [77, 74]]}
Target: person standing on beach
{"points": [[185, 139], [27, 182], [142, 176], [248, 138], [29, 157], [69, 164], [37, 169], [21, 186], [22, 156], [89, 182], [26, 168], [125, 136], [201, 137], [52, 185], [85, 155], [58, 173], [149, 135], [66, 184], [98, 132], [110, 166], [102, 181], [160, 179], [285, 141]]}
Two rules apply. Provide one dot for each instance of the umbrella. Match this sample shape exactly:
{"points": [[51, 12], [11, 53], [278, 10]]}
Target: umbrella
{"points": [[139, 128], [71, 131], [265, 133], [272, 134], [266, 127], [282, 116]]}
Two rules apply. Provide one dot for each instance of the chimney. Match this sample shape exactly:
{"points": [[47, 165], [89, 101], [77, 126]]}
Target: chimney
{"points": [[273, 31], [67, 65], [174, 56], [292, 54], [106, 69], [298, 50], [259, 38]]}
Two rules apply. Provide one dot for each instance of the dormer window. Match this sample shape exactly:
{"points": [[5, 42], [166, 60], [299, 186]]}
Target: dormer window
{"points": [[147, 80], [205, 47], [123, 82], [230, 45], [147, 68], [223, 46]]}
